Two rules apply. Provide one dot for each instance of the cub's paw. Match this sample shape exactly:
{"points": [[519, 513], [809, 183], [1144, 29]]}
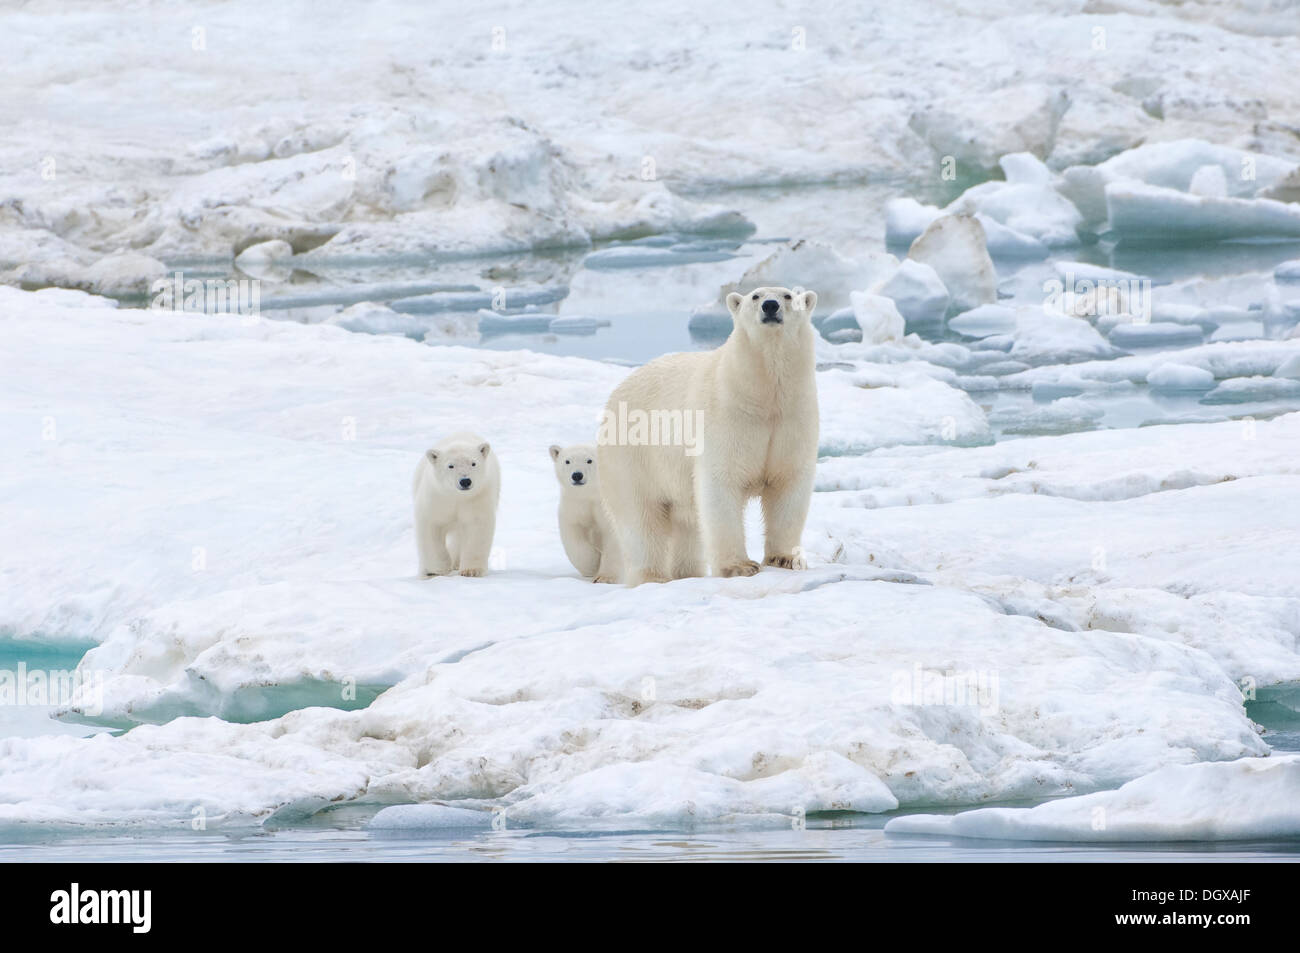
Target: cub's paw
{"points": [[747, 568], [641, 578], [473, 572], [784, 562], [605, 579]]}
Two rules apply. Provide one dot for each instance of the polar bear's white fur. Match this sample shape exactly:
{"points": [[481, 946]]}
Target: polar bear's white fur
{"points": [[456, 487], [585, 530], [753, 402]]}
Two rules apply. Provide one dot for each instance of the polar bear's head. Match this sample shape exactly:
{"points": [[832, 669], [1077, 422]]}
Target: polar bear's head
{"points": [[575, 467], [460, 468], [767, 314]]}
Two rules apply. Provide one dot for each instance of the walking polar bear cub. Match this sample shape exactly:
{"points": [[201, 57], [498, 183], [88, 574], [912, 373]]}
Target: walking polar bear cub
{"points": [[678, 504], [585, 529], [456, 487]]}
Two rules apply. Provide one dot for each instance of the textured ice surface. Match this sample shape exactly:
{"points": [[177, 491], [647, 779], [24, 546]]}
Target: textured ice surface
{"points": [[967, 613], [1250, 799]]}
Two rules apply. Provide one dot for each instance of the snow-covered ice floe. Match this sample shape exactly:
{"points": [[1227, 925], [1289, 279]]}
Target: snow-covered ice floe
{"points": [[1023, 620], [1248, 799]]}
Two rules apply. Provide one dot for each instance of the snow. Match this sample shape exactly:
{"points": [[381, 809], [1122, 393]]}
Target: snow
{"points": [[1249, 799], [251, 583], [218, 501], [560, 131]]}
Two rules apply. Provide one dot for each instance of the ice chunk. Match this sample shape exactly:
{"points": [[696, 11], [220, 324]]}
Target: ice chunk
{"points": [[1287, 271], [878, 317], [1147, 212], [1290, 368], [1156, 334], [906, 219], [1210, 182], [1246, 390], [977, 128], [1004, 242], [1247, 799], [425, 817], [984, 321], [953, 245], [1046, 337], [1172, 378], [577, 324], [816, 266], [261, 255], [1174, 164], [643, 256], [918, 292], [514, 298]]}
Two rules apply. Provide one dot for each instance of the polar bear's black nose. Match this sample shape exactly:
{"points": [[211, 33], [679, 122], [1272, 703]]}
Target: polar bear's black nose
{"points": [[770, 308], [466, 483], [576, 476]]}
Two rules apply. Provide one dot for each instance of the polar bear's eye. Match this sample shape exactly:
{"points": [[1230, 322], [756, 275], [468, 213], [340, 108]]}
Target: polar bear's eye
{"points": [[755, 295], [588, 461], [787, 297], [473, 464], [451, 466]]}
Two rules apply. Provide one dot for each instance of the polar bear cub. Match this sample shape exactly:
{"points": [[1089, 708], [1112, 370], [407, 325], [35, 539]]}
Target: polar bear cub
{"points": [[585, 530], [456, 488], [688, 439]]}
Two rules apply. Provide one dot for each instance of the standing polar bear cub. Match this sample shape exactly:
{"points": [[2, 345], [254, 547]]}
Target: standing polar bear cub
{"points": [[456, 487], [688, 439], [585, 529]]}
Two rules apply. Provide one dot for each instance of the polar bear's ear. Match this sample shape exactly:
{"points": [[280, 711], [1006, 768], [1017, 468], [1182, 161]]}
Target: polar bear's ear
{"points": [[555, 451], [733, 302], [483, 449], [809, 301], [432, 455]]}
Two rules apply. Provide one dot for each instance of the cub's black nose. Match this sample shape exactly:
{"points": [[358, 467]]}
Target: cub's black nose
{"points": [[576, 475], [771, 306], [466, 483]]}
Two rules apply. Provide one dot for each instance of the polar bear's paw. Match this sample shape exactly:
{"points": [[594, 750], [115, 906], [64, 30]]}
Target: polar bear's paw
{"points": [[473, 572], [746, 568], [605, 579], [783, 562]]}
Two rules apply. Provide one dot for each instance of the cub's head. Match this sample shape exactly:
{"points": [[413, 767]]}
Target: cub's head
{"points": [[767, 314], [575, 466], [460, 468]]}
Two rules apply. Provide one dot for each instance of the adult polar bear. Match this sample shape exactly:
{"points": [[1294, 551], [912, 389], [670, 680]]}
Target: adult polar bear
{"points": [[676, 506]]}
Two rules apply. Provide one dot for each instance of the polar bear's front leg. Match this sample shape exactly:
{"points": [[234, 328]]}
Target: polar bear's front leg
{"points": [[785, 510], [722, 522], [431, 543], [609, 569], [475, 536]]}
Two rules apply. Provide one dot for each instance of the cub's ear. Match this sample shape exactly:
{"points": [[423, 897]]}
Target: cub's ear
{"points": [[733, 302], [432, 455], [809, 301], [483, 449], [555, 451]]}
